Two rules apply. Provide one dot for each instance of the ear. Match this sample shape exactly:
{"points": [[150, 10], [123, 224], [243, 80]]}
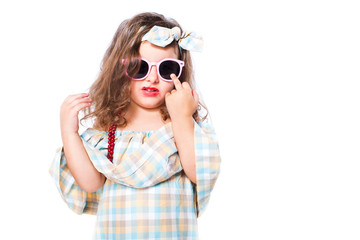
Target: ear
{"points": [[196, 96]]}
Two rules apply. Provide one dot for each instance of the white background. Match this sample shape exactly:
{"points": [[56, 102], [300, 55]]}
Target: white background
{"points": [[281, 81]]}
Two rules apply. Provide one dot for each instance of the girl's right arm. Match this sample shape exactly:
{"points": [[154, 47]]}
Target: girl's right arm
{"points": [[80, 166]]}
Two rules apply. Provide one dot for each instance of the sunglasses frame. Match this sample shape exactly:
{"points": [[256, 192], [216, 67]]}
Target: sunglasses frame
{"points": [[157, 64]]}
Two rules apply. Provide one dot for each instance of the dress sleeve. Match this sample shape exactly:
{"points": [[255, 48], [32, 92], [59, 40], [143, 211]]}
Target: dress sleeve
{"points": [[154, 161], [150, 163], [207, 163], [77, 199]]}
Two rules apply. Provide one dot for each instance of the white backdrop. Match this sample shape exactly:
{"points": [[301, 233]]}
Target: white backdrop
{"points": [[281, 81]]}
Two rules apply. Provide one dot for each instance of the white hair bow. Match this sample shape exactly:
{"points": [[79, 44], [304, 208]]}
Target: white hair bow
{"points": [[162, 36]]}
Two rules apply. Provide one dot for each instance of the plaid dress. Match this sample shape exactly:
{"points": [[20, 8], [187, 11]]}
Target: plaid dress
{"points": [[146, 194]]}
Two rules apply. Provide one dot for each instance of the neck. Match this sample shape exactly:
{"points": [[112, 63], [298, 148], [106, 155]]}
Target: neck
{"points": [[139, 114]]}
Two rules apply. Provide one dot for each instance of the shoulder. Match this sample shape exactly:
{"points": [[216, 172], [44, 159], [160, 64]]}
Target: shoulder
{"points": [[93, 136]]}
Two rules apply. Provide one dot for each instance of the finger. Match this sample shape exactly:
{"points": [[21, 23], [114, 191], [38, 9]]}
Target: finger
{"points": [[172, 91], [71, 98], [78, 95], [176, 81], [78, 107], [79, 101], [186, 85]]}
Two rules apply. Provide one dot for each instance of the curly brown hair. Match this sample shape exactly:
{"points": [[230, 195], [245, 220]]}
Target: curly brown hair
{"points": [[111, 90]]}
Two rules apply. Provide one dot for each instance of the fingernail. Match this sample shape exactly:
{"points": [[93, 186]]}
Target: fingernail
{"points": [[172, 75]]}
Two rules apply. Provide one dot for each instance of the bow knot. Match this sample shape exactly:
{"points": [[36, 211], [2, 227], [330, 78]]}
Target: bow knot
{"points": [[162, 36]]}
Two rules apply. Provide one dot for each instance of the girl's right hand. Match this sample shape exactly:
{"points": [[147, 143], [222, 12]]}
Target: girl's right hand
{"points": [[69, 120]]}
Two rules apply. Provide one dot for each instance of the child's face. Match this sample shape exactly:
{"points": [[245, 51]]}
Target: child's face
{"points": [[143, 98]]}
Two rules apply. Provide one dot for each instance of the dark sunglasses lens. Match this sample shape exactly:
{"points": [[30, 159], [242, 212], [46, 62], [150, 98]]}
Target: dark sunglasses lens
{"points": [[168, 67], [137, 69], [143, 70]]}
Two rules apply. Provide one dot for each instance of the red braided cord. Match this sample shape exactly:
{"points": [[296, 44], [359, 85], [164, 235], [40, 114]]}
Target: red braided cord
{"points": [[111, 142]]}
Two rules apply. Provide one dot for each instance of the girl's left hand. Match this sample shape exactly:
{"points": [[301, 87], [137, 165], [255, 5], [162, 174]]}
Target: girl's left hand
{"points": [[182, 102]]}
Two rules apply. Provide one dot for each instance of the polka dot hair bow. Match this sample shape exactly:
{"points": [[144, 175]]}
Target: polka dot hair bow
{"points": [[162, 36]]}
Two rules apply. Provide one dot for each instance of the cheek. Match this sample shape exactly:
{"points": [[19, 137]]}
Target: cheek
{"points": [[169, 87], [134, 85]]}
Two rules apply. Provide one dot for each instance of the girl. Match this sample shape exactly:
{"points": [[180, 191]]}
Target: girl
{"points": [[148, 165]]}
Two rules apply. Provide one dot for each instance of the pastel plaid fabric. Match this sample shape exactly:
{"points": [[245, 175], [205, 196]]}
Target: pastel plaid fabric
{"points": [[147, 194], [162, 37]]}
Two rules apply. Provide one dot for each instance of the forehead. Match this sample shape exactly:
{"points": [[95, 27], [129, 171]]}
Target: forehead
{"points": [[155, 53]]}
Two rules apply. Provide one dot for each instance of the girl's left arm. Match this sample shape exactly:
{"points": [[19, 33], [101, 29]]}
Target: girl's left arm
{"points": [[183, 129], [181, 103]]}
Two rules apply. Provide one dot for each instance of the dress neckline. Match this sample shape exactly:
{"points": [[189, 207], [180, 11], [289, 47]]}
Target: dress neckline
{"points": [[133, 131]]}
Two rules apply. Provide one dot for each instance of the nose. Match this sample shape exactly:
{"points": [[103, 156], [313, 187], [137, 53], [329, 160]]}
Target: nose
{"points": [[153, 76]]}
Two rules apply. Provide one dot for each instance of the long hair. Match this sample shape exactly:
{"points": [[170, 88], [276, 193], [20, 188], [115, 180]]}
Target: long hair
{"points": [[110, 93]]}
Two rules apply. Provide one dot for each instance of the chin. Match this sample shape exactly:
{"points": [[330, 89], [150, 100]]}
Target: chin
{"points": [[152, 105]]}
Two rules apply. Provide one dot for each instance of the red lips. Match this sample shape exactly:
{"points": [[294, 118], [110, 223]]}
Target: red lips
{"points": [[150, 91], [150, 88]]}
